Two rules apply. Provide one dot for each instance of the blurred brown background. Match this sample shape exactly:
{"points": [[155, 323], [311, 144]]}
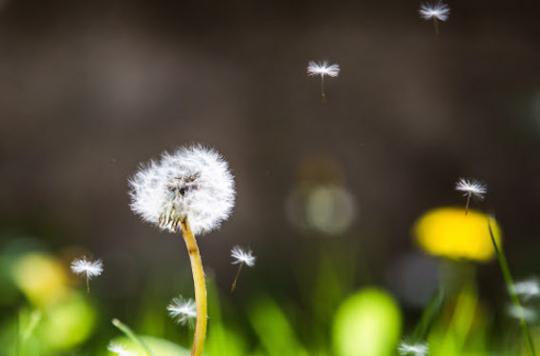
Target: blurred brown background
{"points": [[88, 90]]}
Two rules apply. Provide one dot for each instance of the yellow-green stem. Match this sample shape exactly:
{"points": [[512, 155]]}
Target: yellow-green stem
{"points": [[509, 281], [200, 288]]}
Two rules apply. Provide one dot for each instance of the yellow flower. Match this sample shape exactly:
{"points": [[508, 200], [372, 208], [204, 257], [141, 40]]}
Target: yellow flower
{"points": [[449, 232], [41, 277]]}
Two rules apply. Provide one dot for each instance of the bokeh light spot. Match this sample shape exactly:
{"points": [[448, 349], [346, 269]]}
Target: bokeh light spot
{"points": [[325, 208]]}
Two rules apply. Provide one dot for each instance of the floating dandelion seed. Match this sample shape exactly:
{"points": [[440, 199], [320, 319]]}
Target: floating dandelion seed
{"points": [[322, 69], [520, 312], [439, 11], [527, 289], [413, 349], [241, 257], [470, 189], [89, 269], [436, 12], [182, 310], [192, 191], [118, 349]]}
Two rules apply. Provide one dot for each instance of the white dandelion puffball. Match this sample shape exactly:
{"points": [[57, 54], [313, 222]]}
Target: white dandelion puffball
{"points": [[322, 69], [434, 11], [89, 269], [193, 182], [413, 349], [471, 188], [241, 256], [182, 310]]}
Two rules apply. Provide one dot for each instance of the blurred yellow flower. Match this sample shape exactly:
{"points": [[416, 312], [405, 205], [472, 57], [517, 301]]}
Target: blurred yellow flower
{"points": [[41, 278], [448, 232]]}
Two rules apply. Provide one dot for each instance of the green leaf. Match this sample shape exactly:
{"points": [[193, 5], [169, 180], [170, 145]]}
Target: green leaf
{"points": [[273, 329], [368, 323], [158, 346]]}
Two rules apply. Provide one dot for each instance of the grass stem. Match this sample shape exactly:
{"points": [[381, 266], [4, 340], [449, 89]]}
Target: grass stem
{"points": [[509, 281], [428, 316], [18, 341], [131, 335]]}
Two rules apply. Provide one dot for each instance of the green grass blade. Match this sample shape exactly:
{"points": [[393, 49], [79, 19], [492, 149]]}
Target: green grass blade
{"points": [[130, 334], [509, 281]]}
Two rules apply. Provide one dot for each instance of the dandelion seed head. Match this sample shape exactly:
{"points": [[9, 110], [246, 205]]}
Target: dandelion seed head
{"points": [[471, 188], [89, 268], [193, 182], [521, 312], [182, 310], [434, 11], [527, 289], [241, 256], [119, 349], [322, 69], [413, 349]]}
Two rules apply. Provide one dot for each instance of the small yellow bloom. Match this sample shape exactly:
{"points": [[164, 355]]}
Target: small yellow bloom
{"points": [[449, 232]]}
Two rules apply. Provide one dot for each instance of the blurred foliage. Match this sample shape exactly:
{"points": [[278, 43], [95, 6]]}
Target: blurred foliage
{"points": [[359, 320], [45, 314], [274, 330], [156, 345]]}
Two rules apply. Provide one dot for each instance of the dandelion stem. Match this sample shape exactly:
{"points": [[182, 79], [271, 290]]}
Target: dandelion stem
{"points": [[509, 281], [131, 335], [323, 93], [87, 284], [468, 203], [200, 288], [436, 25], [233, 287]]}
